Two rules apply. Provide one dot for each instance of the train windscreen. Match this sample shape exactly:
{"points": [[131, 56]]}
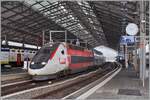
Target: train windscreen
{"points": [[42, 56]]}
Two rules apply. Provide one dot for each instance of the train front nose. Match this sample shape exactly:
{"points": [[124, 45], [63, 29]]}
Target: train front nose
{"points": [[36, 68], [41, 59], [38, 65]]}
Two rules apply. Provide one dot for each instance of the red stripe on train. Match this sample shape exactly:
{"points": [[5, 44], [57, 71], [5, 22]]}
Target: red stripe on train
{"points": [[80, 65], [85, 53]]}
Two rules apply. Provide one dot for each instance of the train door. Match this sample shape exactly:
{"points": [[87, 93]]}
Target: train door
{"points": [[18, 59]]}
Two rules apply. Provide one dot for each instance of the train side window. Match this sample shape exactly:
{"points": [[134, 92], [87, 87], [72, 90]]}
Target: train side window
{"points": [[62, 52], [12, 50]]}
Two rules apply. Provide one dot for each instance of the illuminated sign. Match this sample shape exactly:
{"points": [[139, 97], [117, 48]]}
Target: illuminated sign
{"points": [[127, 40]]}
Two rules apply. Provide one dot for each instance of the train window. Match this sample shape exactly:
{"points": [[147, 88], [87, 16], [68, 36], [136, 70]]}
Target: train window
{"points": [[62, 52], [12, 50], [44, 54], [5, 49]]}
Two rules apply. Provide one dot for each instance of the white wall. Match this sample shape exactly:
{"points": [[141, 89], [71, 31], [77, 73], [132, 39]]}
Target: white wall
{"points": [[109, 53]]}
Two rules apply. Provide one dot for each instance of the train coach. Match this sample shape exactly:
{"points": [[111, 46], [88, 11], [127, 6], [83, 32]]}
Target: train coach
{"points": [[14, 57], [55, 59]]}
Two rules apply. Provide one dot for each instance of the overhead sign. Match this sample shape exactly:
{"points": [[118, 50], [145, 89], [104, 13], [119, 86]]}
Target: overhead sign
{"points": [[132, 29], [127, 40]]}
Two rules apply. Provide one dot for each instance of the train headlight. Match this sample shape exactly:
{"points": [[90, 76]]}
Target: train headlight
{"points": [[43, 63], [32, 63]]}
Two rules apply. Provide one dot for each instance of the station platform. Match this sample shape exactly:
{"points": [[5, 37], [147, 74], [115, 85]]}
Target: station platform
{"points": [[124, 86], [14, 70], [13, 73]]}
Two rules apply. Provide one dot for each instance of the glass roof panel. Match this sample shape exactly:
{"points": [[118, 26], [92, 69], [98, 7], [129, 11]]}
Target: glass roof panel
{"points": [[37, 6], [62, 16], [44, 3]]}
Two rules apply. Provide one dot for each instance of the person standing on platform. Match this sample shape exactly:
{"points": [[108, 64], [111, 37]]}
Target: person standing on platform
{"points": [[26, 63]]}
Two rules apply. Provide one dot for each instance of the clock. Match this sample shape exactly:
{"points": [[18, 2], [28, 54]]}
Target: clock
{"points": [[132, 29]]}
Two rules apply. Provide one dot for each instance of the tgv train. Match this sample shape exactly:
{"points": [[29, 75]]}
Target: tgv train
{"points": [[55, 59], [14, 57]]}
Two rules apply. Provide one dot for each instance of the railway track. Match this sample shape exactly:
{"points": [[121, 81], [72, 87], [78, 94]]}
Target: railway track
{"points": [[18, 86], [14, 80], [59, 88], [24, 84], [65, 90]]}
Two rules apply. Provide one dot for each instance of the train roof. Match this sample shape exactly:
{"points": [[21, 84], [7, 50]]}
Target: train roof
{"points": [[73, 46]]}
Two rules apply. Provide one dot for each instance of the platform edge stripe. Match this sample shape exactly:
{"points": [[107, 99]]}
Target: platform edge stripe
{"points": [[9, 84], [89, 92], [84, 87], [21, 92]]}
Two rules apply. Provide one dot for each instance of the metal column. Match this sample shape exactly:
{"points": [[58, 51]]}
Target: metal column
{"points": [[142, 42], [37, 46], [66, 36], [149, 48], [50, 36], [135, 58], [124, 23], [126, 56], [43, 37], [23, 46], [6, 41]]}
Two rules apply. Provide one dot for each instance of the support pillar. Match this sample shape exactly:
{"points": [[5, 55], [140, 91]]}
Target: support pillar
{"points": [[149, 48], [50, 37], [43, 37], [126, 56], [65, 36], [142, 42], [37, 46], [23, 45], [6, 41], [135, 59]]}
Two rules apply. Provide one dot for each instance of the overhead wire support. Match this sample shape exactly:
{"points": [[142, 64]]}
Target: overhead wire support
{"points": [[55, 31]]}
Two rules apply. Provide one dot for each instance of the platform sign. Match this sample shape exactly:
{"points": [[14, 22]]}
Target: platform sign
{"points": [[127, 40]]}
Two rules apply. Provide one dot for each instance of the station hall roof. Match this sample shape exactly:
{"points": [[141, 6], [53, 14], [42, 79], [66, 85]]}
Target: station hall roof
{"points": [[94, 22]]}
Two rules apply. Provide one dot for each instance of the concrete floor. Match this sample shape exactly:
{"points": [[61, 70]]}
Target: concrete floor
{"points": [[13, 73], [125, 80], [14, 70]]}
